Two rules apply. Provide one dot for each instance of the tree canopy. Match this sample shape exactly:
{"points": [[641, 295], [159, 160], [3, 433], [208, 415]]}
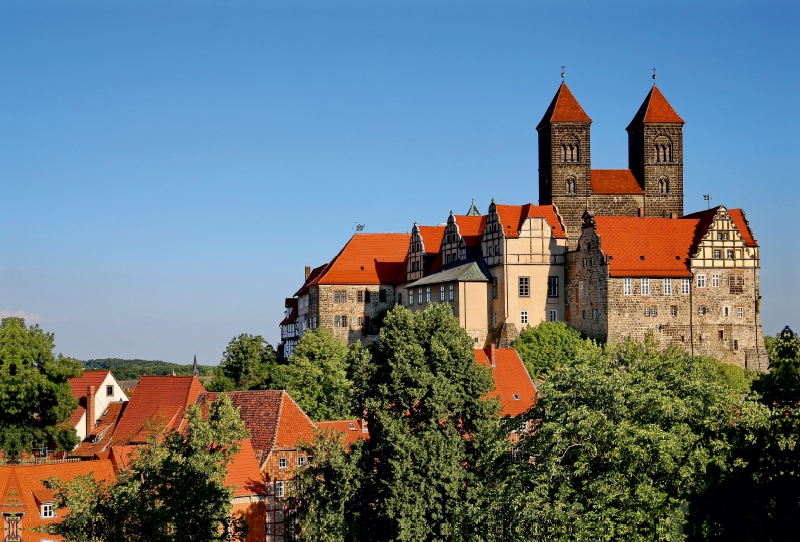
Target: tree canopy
{"points": [[548, 346], [36, 399], [173, 491], [248, 363]]}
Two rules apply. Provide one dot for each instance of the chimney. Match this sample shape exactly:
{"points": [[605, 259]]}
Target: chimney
{"points": [[308, 271], [490, 353], [641, 212], [673, 215], [90, 393]]}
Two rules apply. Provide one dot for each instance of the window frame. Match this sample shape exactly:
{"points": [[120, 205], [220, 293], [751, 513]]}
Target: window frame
{"points": [[47, 510], [645, 285], [701, 281], [283, 463], [667, 286], [552, 286], [553, 314], [109, 390], [524, 289], [715, 280], [686, 284], [451, 293], [523, 317], [627, 286]]}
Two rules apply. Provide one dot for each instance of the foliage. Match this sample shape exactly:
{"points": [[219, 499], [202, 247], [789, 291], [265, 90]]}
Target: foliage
{"points": [[780, 386], [324, 490], [36, 400], [173, 491], [549, 346], [316, 376], [132, 369], [248, 363], [624, 439]]}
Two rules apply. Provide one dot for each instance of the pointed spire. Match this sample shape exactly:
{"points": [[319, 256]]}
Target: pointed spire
{"points": [[655, 109], [473, 211], [563, 108], [195, 370]]}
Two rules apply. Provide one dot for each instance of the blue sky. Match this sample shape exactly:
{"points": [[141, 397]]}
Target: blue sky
{"points": [[168, 168]]}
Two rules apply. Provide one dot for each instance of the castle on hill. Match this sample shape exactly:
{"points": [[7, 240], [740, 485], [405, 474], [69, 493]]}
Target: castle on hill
{"points": [[609, 252]]}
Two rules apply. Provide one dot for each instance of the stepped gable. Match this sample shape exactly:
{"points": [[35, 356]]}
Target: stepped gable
{"points": [[162, 399], [648, 247], [432, 240], [353, 430], [655, 109], [614, 182], [563, 108], [513, 216], [513, 385], [368, 258]]}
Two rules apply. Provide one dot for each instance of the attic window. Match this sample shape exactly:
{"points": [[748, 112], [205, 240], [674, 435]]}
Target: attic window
{"points": [[351, 426], [110, 391], [47, 510], [641, 257], [516, 397], [677, 257]]}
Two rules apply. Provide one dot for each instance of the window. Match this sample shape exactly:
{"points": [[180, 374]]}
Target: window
{"points": [[663, 150], [701, 310], [411, 298], [647, 311], [571, 186], [495, 318], [701, 281], [726, 311], [736, 345], [279, 489], [381, 296], [524, 286], [344, 321], [516, 397], [414, 266], [351, 425], [494, 288], [490, 250], [419, 295], [110, 391], [580, 290], [283, 463], [451, 292], [462, 254], [583, 315], [428, 294], [715, 281], [667, 286], [654, 311], [685, 286], [441, 293], [717, 255], [645, 286], [737, 284], [47, 510], [673, 310], [552, 286], [399, 298], [554, 316], [523, 317], [595, 313], [569, 152], [301, 461], [337, 321], [360, 321], [721, 335], [360, 297], [627, 286], [663, 185], [730, 254]]}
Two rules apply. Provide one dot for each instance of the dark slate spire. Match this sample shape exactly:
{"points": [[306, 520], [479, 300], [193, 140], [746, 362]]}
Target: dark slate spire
{"points": [[195, 370]]}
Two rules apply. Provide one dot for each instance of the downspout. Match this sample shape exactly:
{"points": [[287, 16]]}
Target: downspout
{"points": [[691, 313]]}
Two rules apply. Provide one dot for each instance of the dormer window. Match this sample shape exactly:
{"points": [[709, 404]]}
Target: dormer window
{"points": [[352, 426], [47, 511]]}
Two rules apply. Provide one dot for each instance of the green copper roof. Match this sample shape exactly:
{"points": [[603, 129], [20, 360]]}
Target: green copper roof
{"points": [[473, 211]]}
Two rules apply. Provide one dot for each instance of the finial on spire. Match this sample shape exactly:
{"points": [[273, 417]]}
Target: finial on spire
{"points": [[654, 76], [563, 73]]}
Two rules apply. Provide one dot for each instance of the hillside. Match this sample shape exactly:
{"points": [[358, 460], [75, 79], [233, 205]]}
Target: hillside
{"points": [[131, 369]]}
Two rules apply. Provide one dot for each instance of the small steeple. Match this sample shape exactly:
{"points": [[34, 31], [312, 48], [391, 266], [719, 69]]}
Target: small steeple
{"points": [[195, 370], [473, 211], [655, 109]]}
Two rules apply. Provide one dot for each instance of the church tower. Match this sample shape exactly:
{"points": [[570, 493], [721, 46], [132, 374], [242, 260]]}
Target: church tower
{"points": [[655, 155], [565, 156]]}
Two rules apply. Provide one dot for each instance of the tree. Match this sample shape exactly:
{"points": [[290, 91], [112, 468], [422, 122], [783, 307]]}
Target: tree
{"points": [[173, 491], [316, 376], [623, 440], [548, 346], [248, 363], [36, 399], [781, 386]]}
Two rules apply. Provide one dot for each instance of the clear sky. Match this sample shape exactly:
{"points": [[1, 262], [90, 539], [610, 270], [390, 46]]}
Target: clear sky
{"points": [[168, 168]]}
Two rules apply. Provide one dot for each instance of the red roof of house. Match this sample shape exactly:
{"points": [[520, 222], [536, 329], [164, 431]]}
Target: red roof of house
{"points": [[739, 220], [614, 181], [471, 228], [313, 278], [352, 429], [162, 399], [244, 474], [432, 238], [100, 437], [655, 108], [563, 108], [512, 217], [121, 457], [291, 316], [23, 489], [80, 384], [77, 414], [512, 383], [368, 258]]}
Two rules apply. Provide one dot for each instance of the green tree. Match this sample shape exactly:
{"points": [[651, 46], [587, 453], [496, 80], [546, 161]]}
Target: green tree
{"points": [[248, 363], [36, 400], [549, 346], [316, 376], [173, 491], [781, 386], [623, 440]]}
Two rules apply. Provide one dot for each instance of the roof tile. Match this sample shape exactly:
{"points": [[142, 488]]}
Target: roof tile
{"points": [[563, 108], [512, 383], [655, 109], [614, 181]]}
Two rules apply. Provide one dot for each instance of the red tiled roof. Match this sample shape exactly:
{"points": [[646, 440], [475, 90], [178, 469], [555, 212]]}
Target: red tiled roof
{"points": [[121, 457], [512, 217], [293, 425], [655, 108], [512, 383], [352, 429], [614, 181], [642, 247], [291, 303], [77, 414], [432, 238], [471, 228], [368, 258], [160, 398], [563, 108], [101, 436], [313, 278], [80, 384], [244, 474], [739, 220]]}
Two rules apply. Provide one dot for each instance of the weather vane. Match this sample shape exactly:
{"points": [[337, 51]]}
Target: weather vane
{"points": [[359, 227], [654, 75], [708, 199], [563, 73]]}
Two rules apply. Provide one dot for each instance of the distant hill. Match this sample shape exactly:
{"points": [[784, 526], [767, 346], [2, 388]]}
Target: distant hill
{"points": [[131, 369]]}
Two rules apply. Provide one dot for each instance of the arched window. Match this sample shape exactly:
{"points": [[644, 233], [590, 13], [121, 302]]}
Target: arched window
{"points": [[571, 189], [663, 185], [570, 150], [663, 150]]}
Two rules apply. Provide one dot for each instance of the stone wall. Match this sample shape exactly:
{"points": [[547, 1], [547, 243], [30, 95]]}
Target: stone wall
{"points": [[353, 308]]}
